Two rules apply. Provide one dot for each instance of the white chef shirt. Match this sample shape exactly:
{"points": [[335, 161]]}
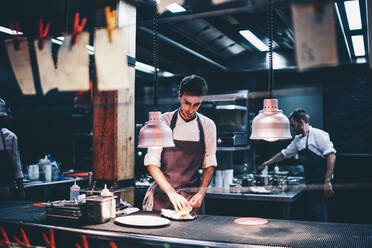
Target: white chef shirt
{"points": [[318, 142], [188, 131], [11, 143]]}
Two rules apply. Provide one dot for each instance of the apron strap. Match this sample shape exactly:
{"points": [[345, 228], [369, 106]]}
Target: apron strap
{"points": [[202, 137], [307, 138]]}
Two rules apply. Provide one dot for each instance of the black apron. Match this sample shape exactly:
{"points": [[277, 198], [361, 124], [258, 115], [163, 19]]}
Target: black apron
{"points": [[180, 165], [314, 168], [8, 190]]}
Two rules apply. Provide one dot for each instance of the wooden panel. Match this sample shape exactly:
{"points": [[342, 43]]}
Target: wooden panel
{"points": [[113, 115]]}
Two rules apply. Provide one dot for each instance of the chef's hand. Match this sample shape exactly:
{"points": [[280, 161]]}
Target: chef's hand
{"points": [[197, 200], [328, 191], [260, 168], [179, 202]]}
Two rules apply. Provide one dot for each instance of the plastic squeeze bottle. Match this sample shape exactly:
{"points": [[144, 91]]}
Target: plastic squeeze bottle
{"points": [[74, 192]]}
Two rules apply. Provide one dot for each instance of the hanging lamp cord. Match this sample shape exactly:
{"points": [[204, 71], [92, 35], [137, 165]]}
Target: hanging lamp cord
{"points": [[271, 38], [155, 54]]}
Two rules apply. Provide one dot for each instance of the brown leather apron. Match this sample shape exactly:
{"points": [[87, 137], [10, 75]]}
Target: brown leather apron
{"points": [[180, 165]]}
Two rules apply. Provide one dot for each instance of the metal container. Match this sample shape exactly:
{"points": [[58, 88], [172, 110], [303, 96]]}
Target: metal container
{"points": [[262, 180], [100, 209]]}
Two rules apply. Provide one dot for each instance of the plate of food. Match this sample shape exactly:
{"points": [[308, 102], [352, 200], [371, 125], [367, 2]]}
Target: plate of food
{"points": [[183, 214]]}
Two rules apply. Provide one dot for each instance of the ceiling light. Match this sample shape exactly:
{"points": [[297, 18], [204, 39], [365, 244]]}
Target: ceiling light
{"points": [[155, 133], [144, 67], [343, 30], [270, 124], [254, 40], [361, 60], [358, 45], [166, 74], [353, 14], [175, 8]]}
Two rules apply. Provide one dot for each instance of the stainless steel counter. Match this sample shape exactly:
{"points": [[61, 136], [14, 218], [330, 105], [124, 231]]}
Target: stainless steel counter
{"points": [[206, 230]]}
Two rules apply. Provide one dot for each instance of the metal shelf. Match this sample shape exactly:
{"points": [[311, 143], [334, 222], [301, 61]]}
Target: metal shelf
{"points": [[233, 148], [231, 107]]}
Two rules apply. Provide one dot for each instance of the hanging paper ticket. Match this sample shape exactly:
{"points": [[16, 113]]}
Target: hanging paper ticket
{"points": [[73, 64], [47, 70], [21, 65], [111, 60], [315, 35]]}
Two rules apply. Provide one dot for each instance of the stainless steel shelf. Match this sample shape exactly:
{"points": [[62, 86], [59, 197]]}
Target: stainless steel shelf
{"points": [[232, 107], [233, 148]]}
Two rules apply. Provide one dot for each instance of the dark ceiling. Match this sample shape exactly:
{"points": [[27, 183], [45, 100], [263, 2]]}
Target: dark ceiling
{"points": [[204, 39]]}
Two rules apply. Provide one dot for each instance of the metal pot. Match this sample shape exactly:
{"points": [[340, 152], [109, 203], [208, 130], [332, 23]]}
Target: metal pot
{"points": [[262, 180], [100, 209]]}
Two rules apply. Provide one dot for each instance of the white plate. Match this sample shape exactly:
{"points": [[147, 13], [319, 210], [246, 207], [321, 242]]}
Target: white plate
{"points": [[142, 220]]}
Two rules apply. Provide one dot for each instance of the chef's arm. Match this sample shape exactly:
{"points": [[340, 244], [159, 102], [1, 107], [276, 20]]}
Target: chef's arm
{"points": [[331, 159], [277, 158], [328, 190], [178, 201], [206, 179], [197, 199], [21, 190]]}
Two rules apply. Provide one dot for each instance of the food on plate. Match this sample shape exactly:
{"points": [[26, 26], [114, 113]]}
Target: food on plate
{"points": [[183, 214]]}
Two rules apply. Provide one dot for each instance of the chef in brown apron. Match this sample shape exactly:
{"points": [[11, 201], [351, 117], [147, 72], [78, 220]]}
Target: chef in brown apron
{"points": [[175, 170]]}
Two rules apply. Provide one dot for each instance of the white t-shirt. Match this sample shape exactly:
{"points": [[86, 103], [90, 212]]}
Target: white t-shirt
{"points": [[318, 142], [188, 131], [11, 143]]}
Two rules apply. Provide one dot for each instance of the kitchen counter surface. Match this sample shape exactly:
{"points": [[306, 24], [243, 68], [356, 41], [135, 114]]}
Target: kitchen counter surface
{"points": [[288, 196], [206, 230]]}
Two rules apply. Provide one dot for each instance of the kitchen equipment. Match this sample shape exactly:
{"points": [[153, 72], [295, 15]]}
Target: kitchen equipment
{"points": [[248, 180], [64, 210], [232, 139], [262, 180], [33, 172], [142, 221], [100, 209], [74, 192]]}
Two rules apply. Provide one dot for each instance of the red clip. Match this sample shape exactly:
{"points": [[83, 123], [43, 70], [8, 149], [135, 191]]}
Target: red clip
{"points": [[16, 35], [113, 245], [25, 243], [4, 243], [43, 33], [49, 243], [85, 242], [77, 28]]}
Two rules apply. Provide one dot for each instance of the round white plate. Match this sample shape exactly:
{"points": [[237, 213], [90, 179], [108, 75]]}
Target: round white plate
{"points": [[142, 220]]}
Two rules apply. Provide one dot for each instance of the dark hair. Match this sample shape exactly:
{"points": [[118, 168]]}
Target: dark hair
{"points": [[299, 114], [194, 85]]}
